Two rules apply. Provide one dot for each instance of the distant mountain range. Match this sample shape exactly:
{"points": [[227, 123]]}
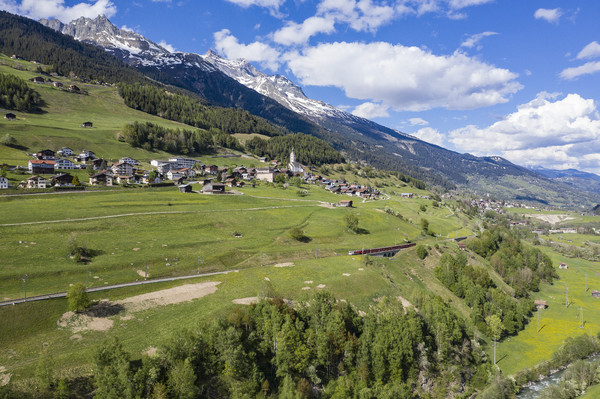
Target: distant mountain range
{"points": [[274, 97]]}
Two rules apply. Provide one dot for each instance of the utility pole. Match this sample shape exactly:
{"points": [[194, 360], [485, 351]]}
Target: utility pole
{"points": [[25, 281]]}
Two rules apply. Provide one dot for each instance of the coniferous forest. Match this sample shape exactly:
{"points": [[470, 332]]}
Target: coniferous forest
{"points": [[191, 111], [309, 150], [319, 348], [15, 94]]}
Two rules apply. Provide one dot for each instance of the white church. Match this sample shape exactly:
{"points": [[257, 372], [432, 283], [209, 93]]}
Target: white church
{"points": [[294, 167]]}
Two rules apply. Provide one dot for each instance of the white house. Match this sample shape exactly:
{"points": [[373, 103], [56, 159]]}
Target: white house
{"points": [[122, 169], [36, 182], [3, 182], [174, 175], [63, 163], [85, 156], [65, 152], [181, 163]]}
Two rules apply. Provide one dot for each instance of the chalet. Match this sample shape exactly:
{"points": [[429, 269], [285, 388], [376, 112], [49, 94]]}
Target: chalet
{"points": [[37, 79], [10, 116], [85, 156], [187, 172], [98, 164], [211, 169], [41, 167], [87, 124], [122, 169], [63, 180], [146, 179], [129, 160], [74, 89], [63, 164], [3, 182], [104, 178], [266, 174], [185, 188], [46, 154], [230, 182], [57, 84], [36, 182], [596, 294], [539, 304], [462, 246], [345, 203], [65, 152], [563, 266], [213, 188], [174, 175]]}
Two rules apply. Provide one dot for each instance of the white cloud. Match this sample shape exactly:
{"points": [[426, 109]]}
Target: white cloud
{"points": [[473, 40], [227, 44], [167, 46], [360, 15], [294, 33], [459, 4], [403, 78], [549, 15], [271, 5], [418, 122], [37, 9], [370, 110], [430, 135], [585, 69], [592, 50], [546, 131]]}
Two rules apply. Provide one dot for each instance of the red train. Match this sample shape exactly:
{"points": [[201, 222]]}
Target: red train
{"points": [[383, 249]]}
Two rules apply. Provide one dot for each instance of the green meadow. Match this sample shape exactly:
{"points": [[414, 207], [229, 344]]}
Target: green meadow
{"points": [[558, 321]]}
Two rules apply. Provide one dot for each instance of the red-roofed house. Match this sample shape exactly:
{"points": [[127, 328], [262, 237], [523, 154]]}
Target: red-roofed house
{"points": [[40, 166]]}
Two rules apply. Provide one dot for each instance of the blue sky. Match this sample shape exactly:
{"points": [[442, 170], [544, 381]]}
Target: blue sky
{"points": [[513, 78]]}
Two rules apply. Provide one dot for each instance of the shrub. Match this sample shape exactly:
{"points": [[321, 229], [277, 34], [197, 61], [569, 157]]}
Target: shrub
{"points": [[421, 252], [78, 298]]}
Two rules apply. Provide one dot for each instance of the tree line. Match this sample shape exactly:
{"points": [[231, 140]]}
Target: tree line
{"points": [[309, 150], [150, 136], [275, 350], [191, 111], [16, 94]]}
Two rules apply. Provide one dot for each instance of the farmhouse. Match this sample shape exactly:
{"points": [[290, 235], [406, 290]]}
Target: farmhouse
{"points": [[87, 124], [462, 246], [36, 182], [3, 182], [211, 169], [62, 163], [63, 180], [46, 154], [41, 167], [266, 174], [10, 116], [214, 188], [104, 178]]}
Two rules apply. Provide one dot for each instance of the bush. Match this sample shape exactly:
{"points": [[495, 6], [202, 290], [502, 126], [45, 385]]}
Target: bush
{"points": [[298, 235], [351, 222], [421, 252], [78, 298]]}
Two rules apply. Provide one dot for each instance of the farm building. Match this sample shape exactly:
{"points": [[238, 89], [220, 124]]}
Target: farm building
{"points": [[214, 188], [10, 116], [563, 266], [540, 304], [345, 203]]}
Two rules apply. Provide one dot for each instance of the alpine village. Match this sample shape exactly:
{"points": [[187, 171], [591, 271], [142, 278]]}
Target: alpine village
{"points": [[169, 230]]}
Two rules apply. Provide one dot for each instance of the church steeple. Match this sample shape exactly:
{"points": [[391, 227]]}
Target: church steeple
{"points": [[292, 156]]}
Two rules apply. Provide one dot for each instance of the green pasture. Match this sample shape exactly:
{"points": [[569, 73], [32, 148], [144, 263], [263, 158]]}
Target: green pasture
{"points": [[558, 321], [71, 351]]}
